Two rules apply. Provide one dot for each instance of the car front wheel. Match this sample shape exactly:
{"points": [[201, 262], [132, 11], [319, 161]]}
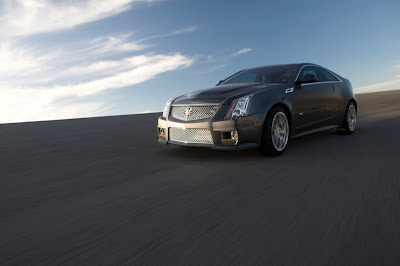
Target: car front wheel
{"points": [[276, 132]]}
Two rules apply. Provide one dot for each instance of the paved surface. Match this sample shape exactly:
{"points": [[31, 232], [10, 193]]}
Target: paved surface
{"points": [[102, 191]]}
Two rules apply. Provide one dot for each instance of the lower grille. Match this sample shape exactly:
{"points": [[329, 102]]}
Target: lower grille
{"points": [[190, 135]]}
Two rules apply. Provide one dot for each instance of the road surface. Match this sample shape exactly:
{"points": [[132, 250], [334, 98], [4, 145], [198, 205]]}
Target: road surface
{"points": [[103, 191]]}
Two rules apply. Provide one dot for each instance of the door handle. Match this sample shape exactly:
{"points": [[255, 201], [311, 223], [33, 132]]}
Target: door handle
{"points": [[289, 90]]}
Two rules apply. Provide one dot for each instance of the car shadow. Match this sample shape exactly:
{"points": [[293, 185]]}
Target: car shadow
{"points": [[295, 146], [322, 145]]}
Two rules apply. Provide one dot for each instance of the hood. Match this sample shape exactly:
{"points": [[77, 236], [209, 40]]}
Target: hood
{"points": [[218, 94]]}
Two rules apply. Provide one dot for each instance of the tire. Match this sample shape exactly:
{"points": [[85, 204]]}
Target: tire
{"points": [[276, 132], [349, 121]]}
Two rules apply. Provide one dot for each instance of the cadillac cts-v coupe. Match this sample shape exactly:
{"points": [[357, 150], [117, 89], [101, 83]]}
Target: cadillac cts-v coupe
{"points": [[261, 107]]}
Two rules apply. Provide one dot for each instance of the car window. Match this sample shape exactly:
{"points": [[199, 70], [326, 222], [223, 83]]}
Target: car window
{"points": [[263, 78], [307, 70], [247, 78], [269, 74], [321, 74], [324, 75]]}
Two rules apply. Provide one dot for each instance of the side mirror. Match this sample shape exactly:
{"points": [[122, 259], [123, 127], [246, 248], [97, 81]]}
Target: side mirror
{"points": [[308, 78], [219, 82]]}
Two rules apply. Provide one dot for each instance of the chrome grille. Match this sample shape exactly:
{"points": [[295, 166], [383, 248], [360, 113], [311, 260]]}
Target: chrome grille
{"points": [[190, 135], [189, 113]]}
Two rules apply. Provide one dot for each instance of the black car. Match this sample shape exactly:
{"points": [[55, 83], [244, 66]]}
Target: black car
{"points": [[261, 107]]}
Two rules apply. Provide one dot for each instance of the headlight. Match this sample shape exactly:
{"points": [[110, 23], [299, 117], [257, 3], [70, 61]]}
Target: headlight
{"points": [[239, 107], [166, 108]]}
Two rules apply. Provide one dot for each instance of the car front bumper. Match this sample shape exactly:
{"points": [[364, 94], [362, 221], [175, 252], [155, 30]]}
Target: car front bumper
{"points": [[247, 130]]}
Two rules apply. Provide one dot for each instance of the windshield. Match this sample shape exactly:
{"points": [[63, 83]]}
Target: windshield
{"points": [[272, 74]]}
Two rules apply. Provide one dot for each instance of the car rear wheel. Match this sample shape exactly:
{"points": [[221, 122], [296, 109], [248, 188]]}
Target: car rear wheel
{"points": [[349, 121], [276, 133]]}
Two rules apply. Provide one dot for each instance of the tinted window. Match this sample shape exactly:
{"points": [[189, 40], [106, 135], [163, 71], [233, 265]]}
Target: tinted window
{"points": [[272, 74], [308, 70], [321, 74], [245, 78], [324, 75]]}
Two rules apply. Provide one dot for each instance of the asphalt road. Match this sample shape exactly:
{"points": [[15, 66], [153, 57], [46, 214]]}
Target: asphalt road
{"points": [[103, 191]]}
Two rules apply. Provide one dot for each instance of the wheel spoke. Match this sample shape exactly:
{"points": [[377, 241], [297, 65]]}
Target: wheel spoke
{"points": [[351, 117], [279, 131]]}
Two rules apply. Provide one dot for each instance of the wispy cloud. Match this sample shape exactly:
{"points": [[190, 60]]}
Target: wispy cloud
{"points": [[383, 86], [389, 85], [36, 84], [142, 69], [217, 67], [176, 32], [147, 112], [106, 67], [28, 73], [242, 51], [27, 17], [186, 30], [113, 43], [21, 62], [43, 103]]}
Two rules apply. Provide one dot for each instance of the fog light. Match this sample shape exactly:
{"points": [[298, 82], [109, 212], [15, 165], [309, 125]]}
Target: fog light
{"points": [[161, 131], [234, 134]]}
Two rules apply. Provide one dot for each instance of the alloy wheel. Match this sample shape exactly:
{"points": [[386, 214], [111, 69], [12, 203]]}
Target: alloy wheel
{"points": [[352, 117], [280, 131]]}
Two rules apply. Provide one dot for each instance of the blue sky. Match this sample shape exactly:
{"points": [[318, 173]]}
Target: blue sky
{"points": [[69, 59]]}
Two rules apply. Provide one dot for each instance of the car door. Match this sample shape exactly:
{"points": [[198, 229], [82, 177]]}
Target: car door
{"points": [[334, 103], [311, 101]]}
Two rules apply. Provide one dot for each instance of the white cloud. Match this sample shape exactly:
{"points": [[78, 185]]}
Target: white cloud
{"points": [[27, 17], [176, 32], [243, 51], [146, 67], [43, 103], [20, 64], [389, 85], [186, 30], [16, 61], [112, 44], [44, 83], [106, 67], [148, 111], [217, 67], [383, 86]]}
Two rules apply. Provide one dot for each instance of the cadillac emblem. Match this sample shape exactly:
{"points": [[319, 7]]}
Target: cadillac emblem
{"points": [[187, 112]]}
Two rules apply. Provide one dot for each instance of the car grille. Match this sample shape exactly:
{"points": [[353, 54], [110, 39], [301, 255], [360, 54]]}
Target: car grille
{"points": [[189, 113], [190, 135]]}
